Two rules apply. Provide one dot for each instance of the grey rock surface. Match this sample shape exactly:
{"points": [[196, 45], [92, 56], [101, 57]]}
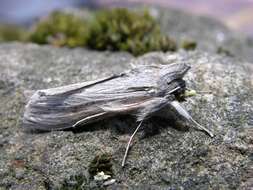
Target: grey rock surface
{"points": [[209, 33], [171, 155]]}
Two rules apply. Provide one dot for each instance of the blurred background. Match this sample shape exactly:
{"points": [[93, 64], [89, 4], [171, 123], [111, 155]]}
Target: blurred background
{"points": [[236, 14]]}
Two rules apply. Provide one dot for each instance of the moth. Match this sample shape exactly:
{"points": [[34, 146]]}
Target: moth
{"points": [[143, 91]]}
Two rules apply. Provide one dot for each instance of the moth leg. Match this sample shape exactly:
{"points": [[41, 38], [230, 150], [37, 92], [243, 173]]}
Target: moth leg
{"points": [[129, 142], [182, 111], [90, 118], [145, 111]]}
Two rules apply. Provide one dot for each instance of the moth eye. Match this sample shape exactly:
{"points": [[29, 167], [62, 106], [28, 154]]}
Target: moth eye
{"points": [[151, 91], [169, 82]]}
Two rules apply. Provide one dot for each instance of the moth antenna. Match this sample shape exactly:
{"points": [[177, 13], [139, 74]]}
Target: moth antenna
{"points": [[129, 142], [187, 116], [202, 128]]}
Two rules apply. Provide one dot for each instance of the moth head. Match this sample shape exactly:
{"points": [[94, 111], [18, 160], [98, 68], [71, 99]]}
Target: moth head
{"points": [[172, 72], [171, 79]]}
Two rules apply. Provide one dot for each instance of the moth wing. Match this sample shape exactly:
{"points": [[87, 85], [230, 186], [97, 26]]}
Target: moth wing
{"points": [[72, 105], [47, 109], [110, 109], [72, 88], [151, 107]]}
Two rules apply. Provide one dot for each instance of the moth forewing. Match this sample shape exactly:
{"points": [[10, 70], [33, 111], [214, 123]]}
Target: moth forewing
{"points": [[64, 107]]}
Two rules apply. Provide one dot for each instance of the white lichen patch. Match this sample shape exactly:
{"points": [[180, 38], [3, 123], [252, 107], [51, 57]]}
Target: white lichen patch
{"points": [[101, 176]]}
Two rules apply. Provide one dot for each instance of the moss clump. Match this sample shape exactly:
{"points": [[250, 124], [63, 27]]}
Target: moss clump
{"points": [[12, 33], [120, 29], [60, 29], [115, 29], [101, 162], [224, 51], [189, 45]]}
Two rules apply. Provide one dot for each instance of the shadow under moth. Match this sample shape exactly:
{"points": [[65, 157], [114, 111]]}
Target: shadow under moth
{"points": [[144, 92]]}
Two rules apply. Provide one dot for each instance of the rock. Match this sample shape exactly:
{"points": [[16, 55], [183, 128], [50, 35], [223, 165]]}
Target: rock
{"points": [[210, 34], [169, 159]]}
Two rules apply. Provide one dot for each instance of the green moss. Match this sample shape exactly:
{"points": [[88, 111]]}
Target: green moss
{"points": [[12, 33], [115, 30], [101, 162], [122, 30], [60, 29], [189, 45], [224, 51]]}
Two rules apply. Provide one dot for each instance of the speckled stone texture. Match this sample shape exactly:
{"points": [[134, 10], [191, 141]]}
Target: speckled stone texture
{"points": [[171, 157]]}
